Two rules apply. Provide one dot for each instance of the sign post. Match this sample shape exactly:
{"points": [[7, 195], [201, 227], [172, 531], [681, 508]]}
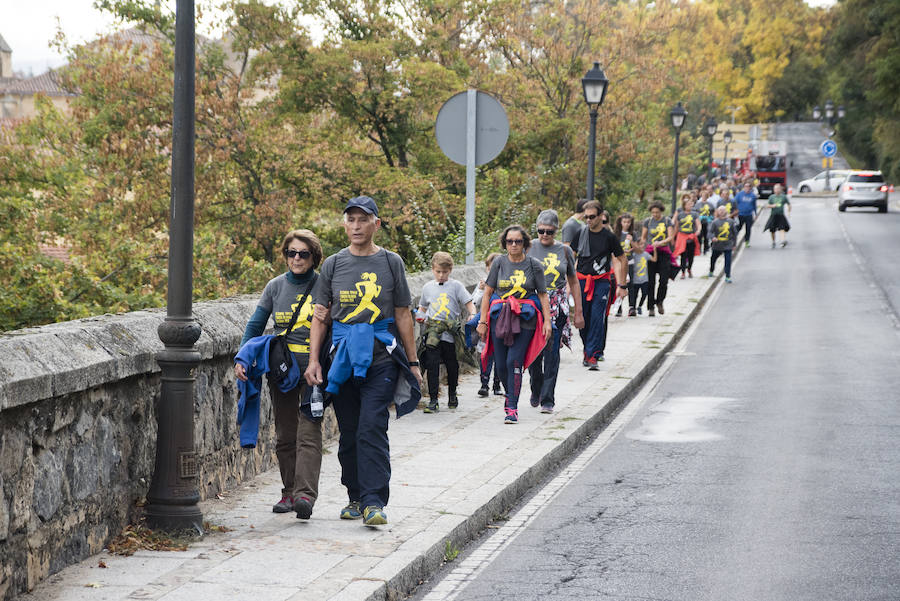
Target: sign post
{"points": [[471, 129], [828, 148]]}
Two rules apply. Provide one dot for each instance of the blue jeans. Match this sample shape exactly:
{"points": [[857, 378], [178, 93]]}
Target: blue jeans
{"points": [[593, 334], [361, 408], [745, 222], [545, 368], [715, 257], [509, 362]]}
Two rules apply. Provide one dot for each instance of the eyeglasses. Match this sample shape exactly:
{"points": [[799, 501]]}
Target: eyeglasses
{"points": [[546, 232], [515, 241], [303, 254], [589, 217]]}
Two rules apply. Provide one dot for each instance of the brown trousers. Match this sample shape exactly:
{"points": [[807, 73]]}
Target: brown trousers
{"points": [[298, 445]]}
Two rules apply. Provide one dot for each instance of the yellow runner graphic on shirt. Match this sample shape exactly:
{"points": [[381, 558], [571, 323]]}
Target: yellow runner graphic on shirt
{"points": [[516, 280], [724, 232], [687, 224], [551, 262], [443, 306], [368, 290], [641, 267], [659, 232]]}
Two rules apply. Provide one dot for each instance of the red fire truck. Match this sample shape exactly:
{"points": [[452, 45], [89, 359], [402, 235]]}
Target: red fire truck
{"points": [[768, 165]]}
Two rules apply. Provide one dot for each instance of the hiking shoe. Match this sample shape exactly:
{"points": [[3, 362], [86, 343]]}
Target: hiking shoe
{"points": [[746, 245], [431, 407], [303, 507], [728, 280], [651, 312], [498, 389], [632, 312], [659, 307], [783, 244], [373, 515], [710, 274], [690, 273], [535, 402], [546, 408], [592, 364], [512, 416], [453, 401], [585, 362], [640, 311], [773, 245], [351, 511], [600, 357], [483, 391], [285, 505], [682, 275], [619, 311]]}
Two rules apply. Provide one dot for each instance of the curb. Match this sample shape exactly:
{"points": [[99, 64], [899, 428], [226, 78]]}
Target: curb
{"points": [[428, 562]]}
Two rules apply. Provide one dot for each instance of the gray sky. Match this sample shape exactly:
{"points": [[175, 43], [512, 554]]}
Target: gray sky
{"points": [[28, 26]]}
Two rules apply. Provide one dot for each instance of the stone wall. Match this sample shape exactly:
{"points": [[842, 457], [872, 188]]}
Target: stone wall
{"points": [[78, 429]]}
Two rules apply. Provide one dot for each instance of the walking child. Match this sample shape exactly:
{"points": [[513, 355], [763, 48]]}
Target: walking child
{"points": [[777, 220], [641, 280], [441, 312], [722, 237]]}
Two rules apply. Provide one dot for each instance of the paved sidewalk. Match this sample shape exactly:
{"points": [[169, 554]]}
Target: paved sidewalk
{"points": [[453, 473]]}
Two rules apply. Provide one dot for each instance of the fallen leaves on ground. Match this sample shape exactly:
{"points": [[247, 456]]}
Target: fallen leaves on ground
{"points": [[137, 538]]}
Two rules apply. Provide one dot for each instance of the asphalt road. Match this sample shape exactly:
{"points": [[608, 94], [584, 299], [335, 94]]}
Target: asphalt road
{"points": [[765, 464]]}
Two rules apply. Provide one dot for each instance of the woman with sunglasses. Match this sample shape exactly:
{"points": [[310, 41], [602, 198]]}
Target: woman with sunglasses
{"points": [[559, 273], [298, 435], [515, 310]]}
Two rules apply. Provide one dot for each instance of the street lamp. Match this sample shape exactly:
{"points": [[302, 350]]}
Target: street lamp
{"points": [[711, 127], [594, 85], [817, 113], [677, 114], [173, 497], [727, 138], [841, 112]]}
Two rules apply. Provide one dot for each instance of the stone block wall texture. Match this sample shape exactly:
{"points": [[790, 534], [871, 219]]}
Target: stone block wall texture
{"points": [[78, 429]]}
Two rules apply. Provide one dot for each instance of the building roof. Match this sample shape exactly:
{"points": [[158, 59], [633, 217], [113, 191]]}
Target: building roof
{"points": [[46, 83], [4, 47]]}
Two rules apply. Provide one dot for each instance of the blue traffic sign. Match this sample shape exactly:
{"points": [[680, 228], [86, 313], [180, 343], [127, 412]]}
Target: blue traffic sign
{"points": [[828, 148]]}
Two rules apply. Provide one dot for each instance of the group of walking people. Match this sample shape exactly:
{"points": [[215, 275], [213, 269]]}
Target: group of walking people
{"points": [[350, 340]]}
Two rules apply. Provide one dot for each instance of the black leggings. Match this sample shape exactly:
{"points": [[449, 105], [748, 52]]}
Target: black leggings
{"points": [[660, 267], [687, 257], [444, 353]]}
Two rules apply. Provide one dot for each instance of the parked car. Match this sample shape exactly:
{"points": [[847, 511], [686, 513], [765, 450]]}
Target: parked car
{"points": [[864, 189], [817, 184]]}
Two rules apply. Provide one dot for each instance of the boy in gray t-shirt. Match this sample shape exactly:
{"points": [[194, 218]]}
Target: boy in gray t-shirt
{"points": [[441, 309]]}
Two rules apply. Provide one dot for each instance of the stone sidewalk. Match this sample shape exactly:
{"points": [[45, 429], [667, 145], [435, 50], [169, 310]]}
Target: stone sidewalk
{"points": [[453, 473]]}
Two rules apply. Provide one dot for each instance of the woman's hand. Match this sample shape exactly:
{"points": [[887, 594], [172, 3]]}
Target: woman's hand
{"points": [[239, 372], [482, 330], [547, 329]]}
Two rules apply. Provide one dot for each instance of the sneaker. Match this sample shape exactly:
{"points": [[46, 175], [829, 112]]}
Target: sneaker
{"points": [[619, 311], [690, 273], [682, 275], [373, 515], [773, 245], [351, 511], [651, 312], [512, 416], [632, 312], [303, 507], [285, 505], [592, 364], [640, 310], [783, 244], [498, 390], [710, 274], [483, 391], [659, 307], [546, 408], [600, 357], [585, 362], [453, 401], [535, 402], [746, 245], [431, 407], [727, 280]]}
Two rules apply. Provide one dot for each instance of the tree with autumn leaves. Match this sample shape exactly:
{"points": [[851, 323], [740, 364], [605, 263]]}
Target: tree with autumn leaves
{"points": [[288, 129]]}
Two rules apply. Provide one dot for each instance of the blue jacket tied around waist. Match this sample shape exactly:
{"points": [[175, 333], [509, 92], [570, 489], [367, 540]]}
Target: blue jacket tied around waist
{"points": [[353, 345], [254, 356]]}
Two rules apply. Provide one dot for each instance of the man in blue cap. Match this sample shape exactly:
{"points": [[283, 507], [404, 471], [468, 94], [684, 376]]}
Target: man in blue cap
{"points": [[363, 293]]}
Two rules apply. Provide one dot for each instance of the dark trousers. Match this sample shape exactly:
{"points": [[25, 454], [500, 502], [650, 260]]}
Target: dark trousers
{"points": [[361, 408], [593, 334], [633, 290], [486, 372], [659, 268], [445, 353], [745, 222], [298, 445], [704, 232], [510, 361], [687, 257], [545, 368], [715, 257]]}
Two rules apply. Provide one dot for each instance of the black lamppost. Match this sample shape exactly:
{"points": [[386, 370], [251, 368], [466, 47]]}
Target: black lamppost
{"points": [[594, 85], [173, 497], [727, 138], [711, 127], [677, 114]]}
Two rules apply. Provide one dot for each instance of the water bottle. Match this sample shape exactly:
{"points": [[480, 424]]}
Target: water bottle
{"points": [[316, 402]]}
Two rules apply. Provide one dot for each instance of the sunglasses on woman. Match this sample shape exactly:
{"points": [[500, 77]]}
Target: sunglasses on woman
{"points": [[546, 232], [303, 254]]}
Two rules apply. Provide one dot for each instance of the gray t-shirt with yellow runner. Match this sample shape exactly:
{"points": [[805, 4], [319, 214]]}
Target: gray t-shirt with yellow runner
{"points": [[280, 298], [445, 302], [362, 289], [517, 280], [558, 260]]}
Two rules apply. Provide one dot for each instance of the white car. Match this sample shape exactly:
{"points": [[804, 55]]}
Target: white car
{"points": [[864, 189], [817, 184]]}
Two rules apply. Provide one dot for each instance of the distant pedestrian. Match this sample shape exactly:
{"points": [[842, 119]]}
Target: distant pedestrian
{"points": [[488, 365], [599, 259], [706, 208], [287, 298], [726, 200], [723, 237], [687, 229], [559, 273], [515, 314], [641, 281], [624, 230], [746, 207], [573, 223], [777, 219], [658, 231], [444, 306], [363, 292]]}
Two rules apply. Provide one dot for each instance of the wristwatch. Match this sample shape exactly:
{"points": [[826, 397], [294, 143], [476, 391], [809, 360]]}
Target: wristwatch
{"points": [[623, 286], [414, 364]]}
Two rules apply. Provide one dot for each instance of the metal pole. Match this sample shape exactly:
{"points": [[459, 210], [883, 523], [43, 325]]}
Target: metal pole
{"points": [[173, 497], [675, 171], [471, 132], [592, 145], [725, 162], [710, 169]]}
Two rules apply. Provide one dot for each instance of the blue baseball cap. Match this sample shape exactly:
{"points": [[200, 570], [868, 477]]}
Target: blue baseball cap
{"points": [[366, 203]]}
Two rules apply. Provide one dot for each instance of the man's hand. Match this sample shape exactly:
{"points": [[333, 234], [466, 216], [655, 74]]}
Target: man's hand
{"points": [[239, 372], [621, 292], [313, 373], [578, 321], [417, 373]]}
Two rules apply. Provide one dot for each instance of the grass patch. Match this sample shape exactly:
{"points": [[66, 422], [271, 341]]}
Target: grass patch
{"points": [[679, 313], [450, 551], [557, 438], [694, 300], [651, 342], [568, 419]]}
